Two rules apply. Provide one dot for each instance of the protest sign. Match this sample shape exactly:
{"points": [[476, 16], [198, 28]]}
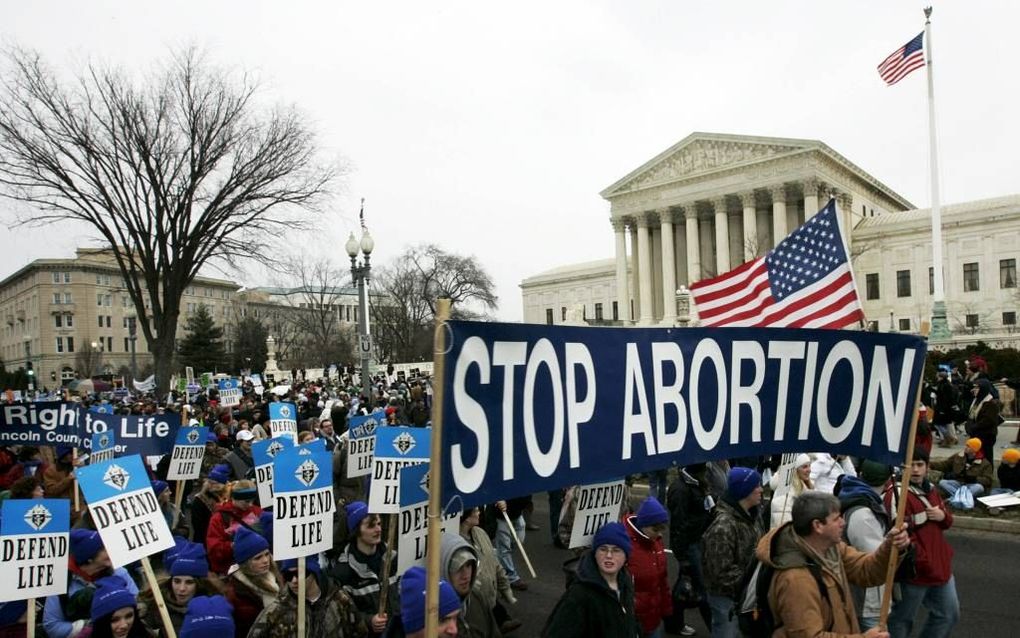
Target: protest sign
{"points": [[45, 423], [396, 447], [283, 420], [101, 408], [34, 547], [146, 435], [414, 517], [302, 502], [230, 392], [597, 505], [182, 385], [186, 460], [104, 446], [361, 442], [125, 509], [206, 380], [263, 454], [531, 408]]}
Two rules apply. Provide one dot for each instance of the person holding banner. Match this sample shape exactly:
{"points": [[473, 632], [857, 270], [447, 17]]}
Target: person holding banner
{"points": [[164, 495], [411, 621], [253, 582], [207, 500], [690, 513], [358, 567], [490, 579], [600, 603], [653, 597], [238, 512], [460, 566], [115, 610], [189, 577], [329, 611]]}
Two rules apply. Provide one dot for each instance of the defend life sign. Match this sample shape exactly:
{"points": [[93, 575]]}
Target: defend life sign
{"points": [[34, 548], [596, 505], [230, 392], [361, 443], [124, 509], [396, 447], [44, 423], [414, 517], [189, 449], [104, 446], [283, 420], [263, 454], [531, 408], [302, 502]]}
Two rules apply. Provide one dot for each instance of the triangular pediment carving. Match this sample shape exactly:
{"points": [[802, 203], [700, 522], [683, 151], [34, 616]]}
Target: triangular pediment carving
{"points": [[698, 155]]}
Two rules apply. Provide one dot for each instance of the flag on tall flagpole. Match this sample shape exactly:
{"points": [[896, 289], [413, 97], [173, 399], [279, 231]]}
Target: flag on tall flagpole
{"points": [[903, 60], [804, 282]]}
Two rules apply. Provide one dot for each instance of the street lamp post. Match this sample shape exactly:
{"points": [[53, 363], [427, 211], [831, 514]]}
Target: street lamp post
{"points": [[132, 316], [361, 274]]}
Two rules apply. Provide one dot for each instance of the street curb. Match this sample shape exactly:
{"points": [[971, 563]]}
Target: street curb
{"points": [[975, 523]]}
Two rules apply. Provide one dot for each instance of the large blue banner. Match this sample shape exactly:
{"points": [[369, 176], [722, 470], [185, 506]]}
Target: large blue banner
{"points": [[145, 435], [45, 423], [529, 408]]}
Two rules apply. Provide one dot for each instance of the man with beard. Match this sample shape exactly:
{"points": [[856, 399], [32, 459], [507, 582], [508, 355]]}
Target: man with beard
{"points": [[66, 615]]}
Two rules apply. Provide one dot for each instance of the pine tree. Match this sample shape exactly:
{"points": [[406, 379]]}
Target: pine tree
{"points": [[250, 345], [202, 348]]}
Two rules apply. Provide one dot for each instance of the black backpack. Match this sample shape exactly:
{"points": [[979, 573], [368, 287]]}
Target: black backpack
{"points": [[754, 614]]}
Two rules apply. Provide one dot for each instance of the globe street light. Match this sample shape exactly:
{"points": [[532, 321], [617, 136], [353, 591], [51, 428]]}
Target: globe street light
{"points": [[361, 273]]}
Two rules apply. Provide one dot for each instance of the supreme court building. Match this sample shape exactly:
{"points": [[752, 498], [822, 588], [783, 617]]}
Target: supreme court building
{"points": [[713, 201]]}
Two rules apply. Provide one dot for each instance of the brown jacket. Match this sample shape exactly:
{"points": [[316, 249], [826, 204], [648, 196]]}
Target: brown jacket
{"points": [[958, 468], [795, 598]]}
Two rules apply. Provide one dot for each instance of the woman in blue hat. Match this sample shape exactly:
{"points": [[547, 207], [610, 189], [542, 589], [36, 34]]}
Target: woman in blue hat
{"points": [[115, 611], [189, 577]]}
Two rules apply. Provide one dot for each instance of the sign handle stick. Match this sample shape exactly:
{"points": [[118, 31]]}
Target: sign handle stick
{"points": [[391, 539], [436, 462], [150, 575], [301, 596], [74, 466], [520, 546], [901, 507], [179, 496], [30, 619]]}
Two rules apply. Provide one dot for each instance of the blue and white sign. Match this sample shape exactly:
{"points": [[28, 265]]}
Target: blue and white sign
{"points": [[263, 454], [189, 449], [303, 503], [147, 435], [414, 517], [44, 423], [124, 509], [597, 505], [361, 443], [531, 408], [34, 547], [396, 447], [104, 446], [101, 408], [230, 392], [283, 420]]}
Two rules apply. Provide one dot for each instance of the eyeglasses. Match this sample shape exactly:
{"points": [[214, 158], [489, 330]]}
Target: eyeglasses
{"points": [[609, 550]]}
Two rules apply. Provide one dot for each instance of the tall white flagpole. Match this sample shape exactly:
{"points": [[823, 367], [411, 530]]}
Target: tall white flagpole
{"points": [[940, 324]]}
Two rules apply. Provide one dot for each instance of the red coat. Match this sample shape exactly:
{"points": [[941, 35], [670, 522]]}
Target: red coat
{"points": [[219, 539], [933, 556], [653, 598]]}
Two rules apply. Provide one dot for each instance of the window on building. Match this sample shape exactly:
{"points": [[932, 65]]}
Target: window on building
{"points": [[69, 321], [1007, 273], [70, 344], [904, 325], [66, 374], [971, 277], [548, 316], [1009, 318], [58, 321], [56, 277], [972, 321], [902, 283], [871, 285], [616, 311], [56, 297], [67, 298], [60, 344], [109, 321], [127, 344], [109, 344], [100, 317], [931, 280], [99, 300], [872, 326], [598, 312], [67, 277], [563, 313]]}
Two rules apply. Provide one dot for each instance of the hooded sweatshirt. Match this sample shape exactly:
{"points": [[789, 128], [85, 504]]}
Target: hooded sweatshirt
{"points": [[475, 619]]}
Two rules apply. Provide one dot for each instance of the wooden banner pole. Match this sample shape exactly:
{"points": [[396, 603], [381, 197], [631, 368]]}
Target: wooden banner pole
{"points": [[519, 544], [901, 508], [157, 594], [435, 463], [301, 595], [179, 496], [384, 585], [30, 618], [74, 468]]}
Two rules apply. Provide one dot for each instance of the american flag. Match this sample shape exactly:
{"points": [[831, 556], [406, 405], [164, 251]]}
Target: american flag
{"points": [[905, 59], [804, 282]]}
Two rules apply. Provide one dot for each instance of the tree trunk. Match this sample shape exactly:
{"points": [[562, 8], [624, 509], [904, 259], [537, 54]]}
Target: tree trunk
{"points": [[163, 347]]}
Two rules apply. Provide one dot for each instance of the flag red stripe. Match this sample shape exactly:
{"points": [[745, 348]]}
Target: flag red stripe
{"points": [[916, 64], [738, 286], [726, 275], [835, 304], [819, 294]]}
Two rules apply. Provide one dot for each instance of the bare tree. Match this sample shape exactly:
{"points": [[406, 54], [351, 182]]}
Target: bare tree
{"points": [[171, 172], [88, 361], [316, 320]]}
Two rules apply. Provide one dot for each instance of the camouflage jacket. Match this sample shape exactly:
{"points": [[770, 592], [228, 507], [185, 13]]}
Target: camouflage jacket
{"points": [[333, 615], [728, 546]]}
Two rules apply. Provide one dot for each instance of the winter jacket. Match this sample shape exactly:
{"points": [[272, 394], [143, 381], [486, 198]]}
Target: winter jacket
{"points": [[866, 525], [984, 419], [590, 609], [490, 579], [148, 611], [690, 512], [959, 468], [352, 573], [219, 539], [333, 615], [242, 466], [57, 482], [475, 619], [653, 598], [825, 469], [65, 614], [202, 508], [249, 598], [795, 599], [727, 547], [1009, 477], [933, 556]]}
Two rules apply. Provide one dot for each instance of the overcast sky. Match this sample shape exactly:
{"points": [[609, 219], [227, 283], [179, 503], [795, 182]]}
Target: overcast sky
{"points": [[490, 128]]}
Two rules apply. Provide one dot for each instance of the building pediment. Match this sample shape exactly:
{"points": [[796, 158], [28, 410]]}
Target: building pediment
{"points": [[703, 153]]}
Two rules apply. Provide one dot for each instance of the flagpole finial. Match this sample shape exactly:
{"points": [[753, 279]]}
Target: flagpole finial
{"points": [[927, 13]]}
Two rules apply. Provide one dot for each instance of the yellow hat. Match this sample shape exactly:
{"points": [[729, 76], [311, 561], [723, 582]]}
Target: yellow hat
{"points": [[1012, 455], [974, 444]]}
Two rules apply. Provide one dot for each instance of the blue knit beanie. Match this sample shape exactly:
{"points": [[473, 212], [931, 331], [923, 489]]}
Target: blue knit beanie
{"points": [[219, 474], [85, 544], [111, 594], [170, 555], [356, 511], [265, 525], [651, 513], [247, 545], [741, 481], [612, 534], [159, 486], [412, 599], [191, 561], [290, 565], [208, 617]]}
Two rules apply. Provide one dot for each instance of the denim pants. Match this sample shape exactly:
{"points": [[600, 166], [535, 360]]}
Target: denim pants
{"points": [[941, 602], [505, 545], [724, 617], [950, 486]]}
